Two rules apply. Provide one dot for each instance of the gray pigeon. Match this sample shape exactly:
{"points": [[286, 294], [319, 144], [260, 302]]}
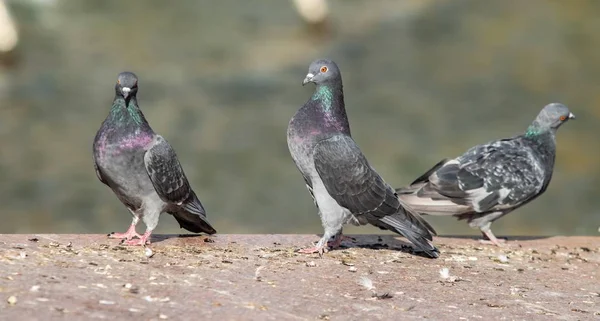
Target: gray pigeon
{"points": [[142, 169], [344, 187], [491, 180]]}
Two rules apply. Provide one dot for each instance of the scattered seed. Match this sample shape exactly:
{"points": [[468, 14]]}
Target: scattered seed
{"points": [[148, 252], [105, 302], [12, 300], [502, 259]]}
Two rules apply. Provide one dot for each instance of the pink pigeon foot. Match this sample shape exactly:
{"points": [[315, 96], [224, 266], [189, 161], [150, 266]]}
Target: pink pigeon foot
{"points": [[338, 241], [131, 233], [492, 239], [314, 249], [143, 240]]}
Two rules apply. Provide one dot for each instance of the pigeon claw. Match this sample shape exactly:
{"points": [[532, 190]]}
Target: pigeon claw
{"points": [[314, 249], [124, 236], [131, 233], [338, 241], [497, 242], [492, 239], [139, 242]]}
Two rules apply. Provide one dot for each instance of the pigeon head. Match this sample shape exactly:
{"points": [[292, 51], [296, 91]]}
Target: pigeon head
{"points": [[550, 118], [553, 115], [127, 85], [323, 71]]}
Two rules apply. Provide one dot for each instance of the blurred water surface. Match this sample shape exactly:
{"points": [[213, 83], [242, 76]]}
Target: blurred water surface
{"points": [[220, 80]]}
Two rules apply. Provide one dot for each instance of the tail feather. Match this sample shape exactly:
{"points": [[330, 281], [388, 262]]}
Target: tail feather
{"points": [[192, 216], [412, 226], [420, 238], [425, 199], [422, 180], [425, 177], [434, 206]]}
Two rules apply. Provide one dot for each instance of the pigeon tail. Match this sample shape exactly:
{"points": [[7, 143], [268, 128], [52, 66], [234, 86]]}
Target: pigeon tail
{"points": [[192, 217], [413, 227], [428, 201], [193, 222], [432, 204], [421, 239]]}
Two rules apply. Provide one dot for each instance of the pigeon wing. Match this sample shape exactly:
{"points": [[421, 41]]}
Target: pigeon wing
{"points": [[494, 176], [166, 172], [355, 185]]}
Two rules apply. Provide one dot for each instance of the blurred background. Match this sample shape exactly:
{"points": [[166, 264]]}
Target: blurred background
{"points": [[424, 80]]}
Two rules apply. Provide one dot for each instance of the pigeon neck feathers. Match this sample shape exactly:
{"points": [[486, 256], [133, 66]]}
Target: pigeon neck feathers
{"points": [[127, 114], [536, 130], [328, 104]]}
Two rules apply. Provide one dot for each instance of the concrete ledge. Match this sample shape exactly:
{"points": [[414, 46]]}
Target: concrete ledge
{"points": [[259, 277]]}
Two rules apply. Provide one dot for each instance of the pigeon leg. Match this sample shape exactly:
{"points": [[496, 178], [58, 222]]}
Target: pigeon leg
{"points": [[144, 239], [150, 218], [491, 238], [338, 239], [320, 248], [131, 233], [314, 249]]}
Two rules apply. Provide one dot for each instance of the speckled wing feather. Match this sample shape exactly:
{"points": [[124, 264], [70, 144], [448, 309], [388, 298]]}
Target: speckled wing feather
{"points": [[166, 173], [356, 186], [494, 176], [172, 186]]}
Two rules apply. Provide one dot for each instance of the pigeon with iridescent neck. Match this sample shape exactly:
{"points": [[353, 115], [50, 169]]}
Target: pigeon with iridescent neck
{"points": [[494, 179], [142, 168], [344, 186]]}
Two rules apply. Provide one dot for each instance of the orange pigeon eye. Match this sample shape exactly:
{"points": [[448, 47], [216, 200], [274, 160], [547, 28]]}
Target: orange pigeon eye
{"points": [[324, 69], [562, 118]]}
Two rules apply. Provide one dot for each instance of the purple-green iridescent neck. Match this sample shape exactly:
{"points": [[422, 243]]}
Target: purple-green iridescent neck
{"points": [[326, 94], [535, 130], [123, 113]]}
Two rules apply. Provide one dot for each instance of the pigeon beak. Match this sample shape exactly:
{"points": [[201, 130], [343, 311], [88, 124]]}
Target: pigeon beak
{"points": [[125, 91], [308, 79], [571, 116]]}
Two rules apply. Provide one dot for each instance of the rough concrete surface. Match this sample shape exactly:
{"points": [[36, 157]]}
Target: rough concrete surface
{"points": [[260, 277]]}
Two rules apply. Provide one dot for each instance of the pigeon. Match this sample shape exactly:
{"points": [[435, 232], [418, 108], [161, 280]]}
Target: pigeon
{"points": [[491, 180], [142, 168], [343, 185]]}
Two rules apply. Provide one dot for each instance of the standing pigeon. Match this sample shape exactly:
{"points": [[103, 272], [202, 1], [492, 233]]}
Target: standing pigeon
{"points": [[491, 180], [344, 187], [142, 169]]}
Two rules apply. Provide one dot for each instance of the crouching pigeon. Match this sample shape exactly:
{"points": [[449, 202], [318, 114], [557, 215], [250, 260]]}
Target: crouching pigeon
{"points": [[491, 180]]}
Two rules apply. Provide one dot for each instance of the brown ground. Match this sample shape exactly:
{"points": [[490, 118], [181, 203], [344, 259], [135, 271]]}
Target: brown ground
{"points": [[259, 277]]}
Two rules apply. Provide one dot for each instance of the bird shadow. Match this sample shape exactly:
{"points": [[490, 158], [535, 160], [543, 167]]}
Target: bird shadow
{"points": [[390, 242], [380, 242], [195, 237], [512, 238]]}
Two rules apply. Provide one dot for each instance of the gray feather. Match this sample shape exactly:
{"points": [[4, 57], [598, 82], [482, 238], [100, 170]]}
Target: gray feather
{"points": [[344, 186], [493, 179]]}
